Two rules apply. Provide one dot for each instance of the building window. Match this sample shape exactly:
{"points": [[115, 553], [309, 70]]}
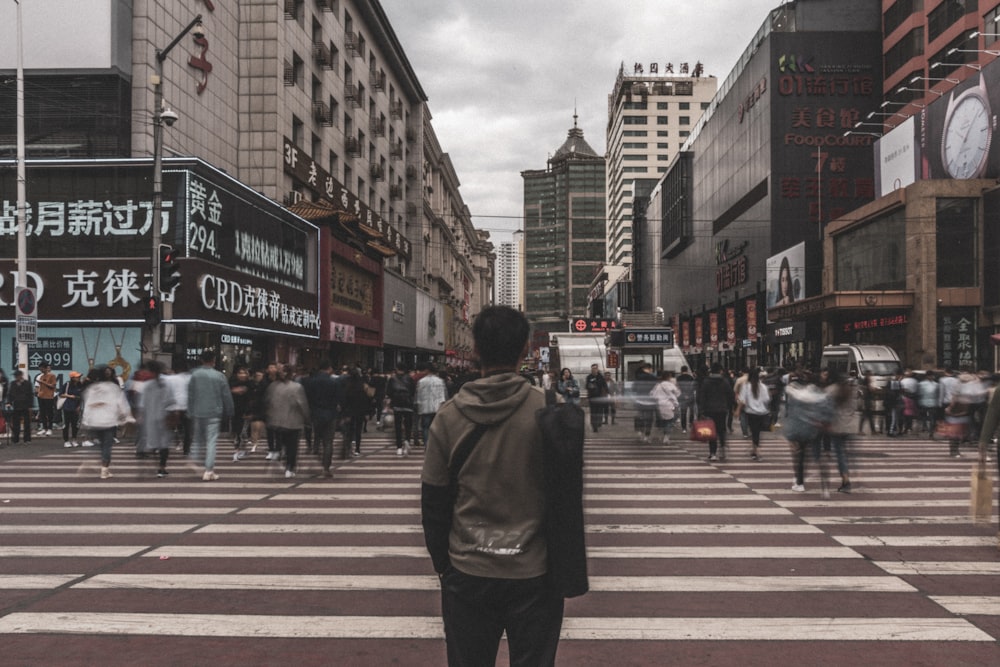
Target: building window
{"points": [[663, 105], [899, 12], [684, 106], [957, 249], [663, 133], [873, 257], [910, 46], [990, 20], [634, 120], [663, 158], [946, 14], [663, 120], [685, 120], [635, 144], [634, 158], [684, 133], [705, 105], [298, 132], [635, 106], [663, 144], [635, 133]]}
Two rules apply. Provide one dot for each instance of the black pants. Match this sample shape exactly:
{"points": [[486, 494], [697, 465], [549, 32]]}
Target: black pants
{"points": [[757, 424], [477, 611], [46, 413], [404, 426], [323, 433], [71, 424], [17, 418], [720, 430], [289, 440]]}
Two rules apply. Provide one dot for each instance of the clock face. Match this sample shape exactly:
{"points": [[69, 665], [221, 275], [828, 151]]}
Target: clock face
{"points": [[966, 140]]}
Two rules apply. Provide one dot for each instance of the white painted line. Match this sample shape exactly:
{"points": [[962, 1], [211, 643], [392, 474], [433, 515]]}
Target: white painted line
{"points": [[774, 629], [131, 497], [69, 551], [622, 528], [592, 511], [366, 551], [335, 495], [427, 627], [970, 605], [855, 520], [96, 529], [114, 510], [932, 568], [35, 581], [704, 529], [356, 582], [914, 540], [848, 503]]}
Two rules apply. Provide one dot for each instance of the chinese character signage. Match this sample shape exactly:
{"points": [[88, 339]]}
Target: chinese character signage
{"points": [[731, 325], [957, 337], [307, 171], [649, 337], [752, 318], [593, 325], [821, 86]]}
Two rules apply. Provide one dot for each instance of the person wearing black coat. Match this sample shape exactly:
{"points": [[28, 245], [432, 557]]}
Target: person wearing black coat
{"points": [[21, 398], [356, 407], [715, 401]]}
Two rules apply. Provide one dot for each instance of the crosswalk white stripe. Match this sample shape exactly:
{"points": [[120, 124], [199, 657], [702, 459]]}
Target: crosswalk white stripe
{"points": [[426, 627], [35, 581], [914, 540], [358, 582], [133, 497], [932, 568], [374, 551], [859, 520], [970, 605], [849, 503], [621, 528], [96, 528], [69, 551]]}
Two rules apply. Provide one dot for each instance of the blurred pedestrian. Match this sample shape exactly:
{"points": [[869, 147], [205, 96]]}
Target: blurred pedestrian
{"points": [[754, 403], [209, 402], [105, 408], [432, 392], [156, 415], [715, 401], [71, 393], [667, 397], [21, 399], [287, 415]]}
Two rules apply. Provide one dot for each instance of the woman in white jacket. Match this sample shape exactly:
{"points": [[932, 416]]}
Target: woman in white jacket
{"points": [[755, 401], [104, 410], [667, 395]]}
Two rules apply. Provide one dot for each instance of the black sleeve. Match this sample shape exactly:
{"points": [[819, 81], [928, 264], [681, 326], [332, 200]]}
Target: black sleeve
{"points": [[436, 509]]}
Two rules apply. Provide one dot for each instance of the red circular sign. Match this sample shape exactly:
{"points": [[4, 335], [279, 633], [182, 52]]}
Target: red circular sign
{"points": [[580, 325]]}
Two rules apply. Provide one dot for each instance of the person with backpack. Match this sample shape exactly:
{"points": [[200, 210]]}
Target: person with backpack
{"points": [[401, 390], [484, 518]]}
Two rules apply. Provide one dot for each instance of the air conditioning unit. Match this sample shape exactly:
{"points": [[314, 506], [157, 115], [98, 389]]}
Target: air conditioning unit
{"points": [[377, 172], [321, 111]]}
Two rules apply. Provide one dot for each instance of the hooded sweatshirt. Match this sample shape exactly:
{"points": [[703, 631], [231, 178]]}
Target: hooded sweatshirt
{"points": [[496, 527]]}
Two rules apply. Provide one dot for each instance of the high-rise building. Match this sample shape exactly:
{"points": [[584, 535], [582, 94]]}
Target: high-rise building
{"points": [[509, 286], [564, 232], [650, 115]]}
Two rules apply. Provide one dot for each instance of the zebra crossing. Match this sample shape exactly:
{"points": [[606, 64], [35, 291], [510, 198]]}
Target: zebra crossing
{"points": [[690, 562]]}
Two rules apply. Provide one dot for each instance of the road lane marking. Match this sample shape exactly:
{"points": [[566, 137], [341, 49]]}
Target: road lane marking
{"points": [[915, 540], [932, 568], [427, 627], [970, 605], [70, 551], [35, 581]]}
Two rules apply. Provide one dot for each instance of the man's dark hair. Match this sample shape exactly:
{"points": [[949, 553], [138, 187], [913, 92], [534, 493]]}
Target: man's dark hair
{"points": [[500, 333], [208, 356]]}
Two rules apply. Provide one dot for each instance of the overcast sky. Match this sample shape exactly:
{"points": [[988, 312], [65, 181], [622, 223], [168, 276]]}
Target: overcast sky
{"points": [[502, 76]]}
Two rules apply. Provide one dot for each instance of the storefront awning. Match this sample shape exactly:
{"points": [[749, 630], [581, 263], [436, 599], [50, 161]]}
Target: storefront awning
{"points": [[841, 301]]}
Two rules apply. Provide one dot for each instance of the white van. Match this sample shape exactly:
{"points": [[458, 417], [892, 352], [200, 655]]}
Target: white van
{"points": [[856, 360]]}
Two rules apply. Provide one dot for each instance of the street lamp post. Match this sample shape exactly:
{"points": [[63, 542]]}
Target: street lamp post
{"points": [[161, 116]]}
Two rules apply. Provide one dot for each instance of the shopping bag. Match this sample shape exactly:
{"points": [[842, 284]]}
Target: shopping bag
{"points": [[981, 497], [703, 430], [945, 430]]}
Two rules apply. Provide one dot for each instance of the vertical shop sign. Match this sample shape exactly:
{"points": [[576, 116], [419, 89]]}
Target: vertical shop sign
{"points": [[752, 318]]}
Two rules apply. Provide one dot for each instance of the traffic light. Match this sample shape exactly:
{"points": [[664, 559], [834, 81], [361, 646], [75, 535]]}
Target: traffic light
{"points": [[170, 273], [151, 311]]}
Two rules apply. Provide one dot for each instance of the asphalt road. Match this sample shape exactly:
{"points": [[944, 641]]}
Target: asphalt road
{"points": [[691, 562]]}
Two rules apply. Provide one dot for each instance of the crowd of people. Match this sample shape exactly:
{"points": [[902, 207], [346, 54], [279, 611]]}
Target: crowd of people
{"points": [[820, 411], [276, 407]]}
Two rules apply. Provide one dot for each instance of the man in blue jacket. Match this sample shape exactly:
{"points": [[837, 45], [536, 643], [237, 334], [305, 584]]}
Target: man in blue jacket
{"points": [[209, 402]]}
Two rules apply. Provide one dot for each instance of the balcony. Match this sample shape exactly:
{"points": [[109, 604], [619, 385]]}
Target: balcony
{"points": [[377, 172], [352, 42], [322, 114], [352, 94], [377, 126], [396, 109], [354, 147], [377, 80], [396, 152], [291, 8], [326, 5], [289, 74], [395, 192], [322, 55]]}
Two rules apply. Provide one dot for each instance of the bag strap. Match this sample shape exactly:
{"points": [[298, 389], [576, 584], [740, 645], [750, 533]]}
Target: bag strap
{"points": [[461, 455]]}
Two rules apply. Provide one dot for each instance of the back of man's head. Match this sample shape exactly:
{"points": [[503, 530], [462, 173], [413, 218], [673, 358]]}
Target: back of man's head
{"points": [[500, 334], [208, 357]]}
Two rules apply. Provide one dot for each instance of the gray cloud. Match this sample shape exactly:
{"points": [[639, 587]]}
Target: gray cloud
{"points": [[502, 78]]}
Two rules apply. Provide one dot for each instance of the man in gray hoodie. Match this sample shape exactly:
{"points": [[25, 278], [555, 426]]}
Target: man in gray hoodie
{"points": [[486, 539]]}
